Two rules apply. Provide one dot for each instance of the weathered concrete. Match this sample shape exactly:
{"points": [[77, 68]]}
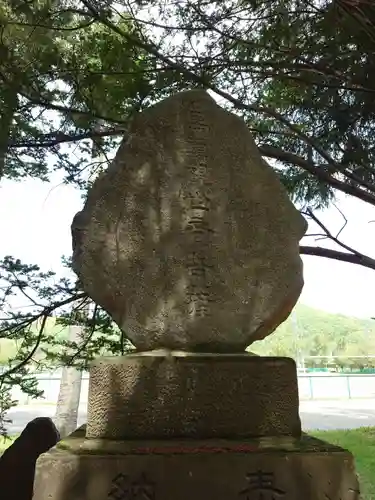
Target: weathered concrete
{"points": [[189, 240], [292, 469], [178, 394]]}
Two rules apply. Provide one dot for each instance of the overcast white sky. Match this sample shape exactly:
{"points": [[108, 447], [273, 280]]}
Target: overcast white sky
{"points": [[35, 220]]}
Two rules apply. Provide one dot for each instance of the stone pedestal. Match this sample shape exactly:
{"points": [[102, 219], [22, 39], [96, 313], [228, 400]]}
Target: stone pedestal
{"points": [[249, 469], [176, 394], [176, 426]]}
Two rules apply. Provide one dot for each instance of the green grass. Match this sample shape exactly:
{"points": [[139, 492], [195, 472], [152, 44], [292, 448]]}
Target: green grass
{"points": [[361, 442], [5, 442]]}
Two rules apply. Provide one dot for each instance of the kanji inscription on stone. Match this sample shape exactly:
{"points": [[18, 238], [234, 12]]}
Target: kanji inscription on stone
{"points": [[125, 488], [261, 486]]}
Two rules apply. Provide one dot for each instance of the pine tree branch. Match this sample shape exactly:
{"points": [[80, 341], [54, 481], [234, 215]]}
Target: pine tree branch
{"points": [[44, 314], [317, 171], [51, 140], [29, 356], [52, 28], [39, 101], [351, 255], [188, 72], [152, 49], [359, 259]]}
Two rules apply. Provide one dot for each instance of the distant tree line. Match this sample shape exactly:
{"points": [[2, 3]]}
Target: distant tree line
{"points": [[317, 338]]}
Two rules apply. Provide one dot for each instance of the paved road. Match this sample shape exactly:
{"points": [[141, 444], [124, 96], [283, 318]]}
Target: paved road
{"points": [[314, 414], [326, 415]]}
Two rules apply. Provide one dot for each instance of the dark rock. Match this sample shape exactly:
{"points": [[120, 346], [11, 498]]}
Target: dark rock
{"points": [[17, 464]]}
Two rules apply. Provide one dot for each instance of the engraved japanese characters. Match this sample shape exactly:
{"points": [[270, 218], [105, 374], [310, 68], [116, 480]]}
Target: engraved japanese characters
{"points": [[188, 240]]}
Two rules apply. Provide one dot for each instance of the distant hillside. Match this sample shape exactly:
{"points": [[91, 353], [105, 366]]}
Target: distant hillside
{"points": [[307, 332], [9, 348], [312, 332]]}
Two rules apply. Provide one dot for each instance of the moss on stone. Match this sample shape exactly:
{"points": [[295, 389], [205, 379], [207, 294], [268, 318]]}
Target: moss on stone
{"points": [[77, 444]]}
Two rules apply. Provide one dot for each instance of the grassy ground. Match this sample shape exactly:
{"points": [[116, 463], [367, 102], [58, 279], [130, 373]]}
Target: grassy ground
{"points": [[361, 442], [5, 442]]}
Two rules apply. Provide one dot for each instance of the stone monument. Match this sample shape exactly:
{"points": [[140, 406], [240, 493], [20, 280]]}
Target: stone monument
{"points": [[191, 244]]}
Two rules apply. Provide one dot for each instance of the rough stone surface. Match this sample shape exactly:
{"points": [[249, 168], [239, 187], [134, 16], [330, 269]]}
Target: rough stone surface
{"points": [[176, 470], [159, 395], [189, 240], [17, 463]]}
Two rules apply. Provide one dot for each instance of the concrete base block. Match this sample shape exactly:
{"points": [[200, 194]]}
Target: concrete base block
{"points": [[254, 469], [160, 395]]}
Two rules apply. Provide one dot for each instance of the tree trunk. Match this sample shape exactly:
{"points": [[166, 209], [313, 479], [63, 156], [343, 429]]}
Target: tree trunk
{"points": [[70, 392]]}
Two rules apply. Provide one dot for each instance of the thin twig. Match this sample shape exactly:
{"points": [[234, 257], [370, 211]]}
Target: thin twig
{"points": [[343, 216], [329, 235], [31, 353]]}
